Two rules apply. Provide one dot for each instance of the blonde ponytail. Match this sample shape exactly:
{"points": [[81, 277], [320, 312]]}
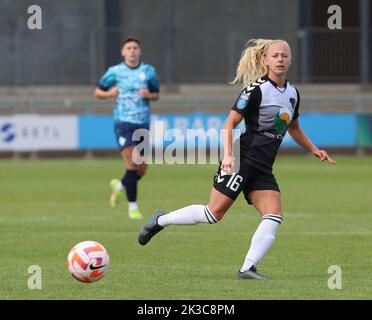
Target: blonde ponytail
{"points": [[251, 66]]}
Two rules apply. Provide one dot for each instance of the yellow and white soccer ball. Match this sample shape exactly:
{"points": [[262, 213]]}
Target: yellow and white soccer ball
{"points": [[88, 261]]}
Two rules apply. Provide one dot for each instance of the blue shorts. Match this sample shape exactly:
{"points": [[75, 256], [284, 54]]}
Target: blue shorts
{"points": [[124, 133]]}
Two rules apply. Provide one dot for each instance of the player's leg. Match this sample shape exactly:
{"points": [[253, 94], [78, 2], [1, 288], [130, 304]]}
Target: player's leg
{"points": [[212, 213], [142, 170], [124, 135], [139, 158], [223, 194], [130, 181], [268, 204], [117, 186]]}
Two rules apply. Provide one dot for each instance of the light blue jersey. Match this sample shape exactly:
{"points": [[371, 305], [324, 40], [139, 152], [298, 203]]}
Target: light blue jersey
{"points": [[130, 107]]}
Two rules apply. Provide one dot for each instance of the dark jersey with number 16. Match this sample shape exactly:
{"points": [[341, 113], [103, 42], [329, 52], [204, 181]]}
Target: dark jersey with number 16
{"points": [[268, 111]]}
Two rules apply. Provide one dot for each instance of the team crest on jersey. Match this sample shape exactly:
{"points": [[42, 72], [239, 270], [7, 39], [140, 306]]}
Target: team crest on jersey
{"points": [[142, 76], [293, 102]]}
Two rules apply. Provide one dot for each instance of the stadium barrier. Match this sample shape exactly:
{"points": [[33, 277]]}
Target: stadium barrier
{"points": [[79, 125], [36, 132]]}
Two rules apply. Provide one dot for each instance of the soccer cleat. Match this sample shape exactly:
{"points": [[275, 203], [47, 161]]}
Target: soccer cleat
{"points": [[116, 195], [251, 273], [135, 214], [150, 229]]}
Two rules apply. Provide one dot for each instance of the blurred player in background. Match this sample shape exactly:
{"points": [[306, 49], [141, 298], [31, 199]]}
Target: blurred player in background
{"points": [[269, 105], [133, 83]]}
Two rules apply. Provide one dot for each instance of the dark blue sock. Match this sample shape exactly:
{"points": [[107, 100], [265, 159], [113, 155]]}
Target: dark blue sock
{"points": [[129, 181]]}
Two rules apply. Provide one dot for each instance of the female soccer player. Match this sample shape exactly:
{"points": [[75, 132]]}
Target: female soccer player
{"points": [[269, 105], [133, 84]]}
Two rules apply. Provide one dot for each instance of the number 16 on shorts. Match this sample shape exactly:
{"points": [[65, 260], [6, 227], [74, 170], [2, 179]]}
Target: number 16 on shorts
{"points": [[234, 182]]}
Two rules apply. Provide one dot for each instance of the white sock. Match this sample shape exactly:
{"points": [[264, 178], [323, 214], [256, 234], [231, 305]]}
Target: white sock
{"points": [[132, 206], [262, 240], [189, 215], [119, 186]]}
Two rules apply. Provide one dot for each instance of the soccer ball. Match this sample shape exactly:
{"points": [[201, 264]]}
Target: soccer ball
{"points": [[88, 261]]}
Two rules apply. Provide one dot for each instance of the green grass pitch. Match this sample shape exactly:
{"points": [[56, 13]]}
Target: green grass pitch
{"points": [[47, 206]]}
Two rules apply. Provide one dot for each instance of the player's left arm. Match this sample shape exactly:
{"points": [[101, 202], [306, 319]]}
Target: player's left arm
{"points": [[146, 94], [152, 90], [303, 140], [106, 87]]}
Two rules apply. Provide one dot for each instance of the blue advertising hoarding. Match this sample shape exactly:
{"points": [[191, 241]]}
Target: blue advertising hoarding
{"points": [[324, 129], [327, 129]]}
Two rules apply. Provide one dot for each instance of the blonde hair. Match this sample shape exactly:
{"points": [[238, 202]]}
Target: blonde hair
{"points": [[251, 65]]}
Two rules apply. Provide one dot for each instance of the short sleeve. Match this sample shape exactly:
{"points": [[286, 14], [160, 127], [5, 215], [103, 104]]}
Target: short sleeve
{"points": [[108, 80], [296, 111], [153, 84], [247, 99]]}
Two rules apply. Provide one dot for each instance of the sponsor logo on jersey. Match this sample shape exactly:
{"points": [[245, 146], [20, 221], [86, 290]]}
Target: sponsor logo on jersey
{"points": [[283, 119], [243, 101]]}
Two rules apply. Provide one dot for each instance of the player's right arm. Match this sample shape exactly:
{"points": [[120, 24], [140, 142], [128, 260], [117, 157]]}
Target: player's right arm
{"points": [[111, 93], [106, 88], [248, 98], [232, 121]]}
